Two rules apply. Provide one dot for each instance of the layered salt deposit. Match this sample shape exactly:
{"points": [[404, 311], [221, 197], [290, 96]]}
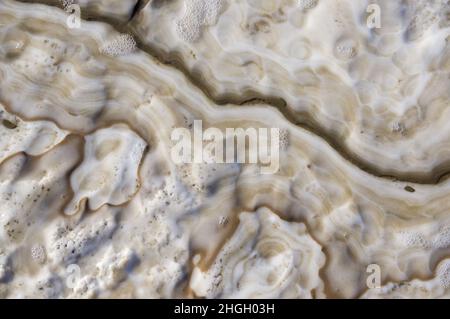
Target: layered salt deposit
{"points": [[370, 91], [93, 204]]}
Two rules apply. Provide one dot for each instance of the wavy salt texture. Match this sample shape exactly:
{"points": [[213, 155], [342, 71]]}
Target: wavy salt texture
{"points": [[372, 93], [275, 258], [92, 204]]}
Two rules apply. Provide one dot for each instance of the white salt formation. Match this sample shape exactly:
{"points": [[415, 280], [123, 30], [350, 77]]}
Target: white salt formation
{"points": [[109, 171], [31, 137], [93, 205]]}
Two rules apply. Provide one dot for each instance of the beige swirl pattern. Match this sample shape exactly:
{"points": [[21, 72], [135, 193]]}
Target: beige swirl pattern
{"points": [[92, 205]]}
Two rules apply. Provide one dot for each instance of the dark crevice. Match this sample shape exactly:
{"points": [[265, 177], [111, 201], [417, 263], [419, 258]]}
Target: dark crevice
{"points": [[140, 4]]}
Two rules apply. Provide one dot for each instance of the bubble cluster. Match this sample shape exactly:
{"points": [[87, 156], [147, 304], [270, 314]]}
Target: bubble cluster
{"points": [[188, 30], [414, 239], [38, 253], [442, 239], [284, 139], [124, 44], [307, 4], [69, 244], [346, 48], [419, 240], [443, 273], [198, 14]]}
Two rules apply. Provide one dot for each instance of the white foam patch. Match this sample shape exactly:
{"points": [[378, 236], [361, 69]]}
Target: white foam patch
{"points": [[197, 14], [67, 244], [442, 239], [414, 239], [38, 253], [443, 273], [124, 44], [307, 4]]}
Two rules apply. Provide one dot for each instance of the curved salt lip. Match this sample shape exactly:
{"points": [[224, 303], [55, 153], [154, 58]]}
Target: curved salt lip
{"points": [[265, 258], [31, 137], [109, 171]]}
